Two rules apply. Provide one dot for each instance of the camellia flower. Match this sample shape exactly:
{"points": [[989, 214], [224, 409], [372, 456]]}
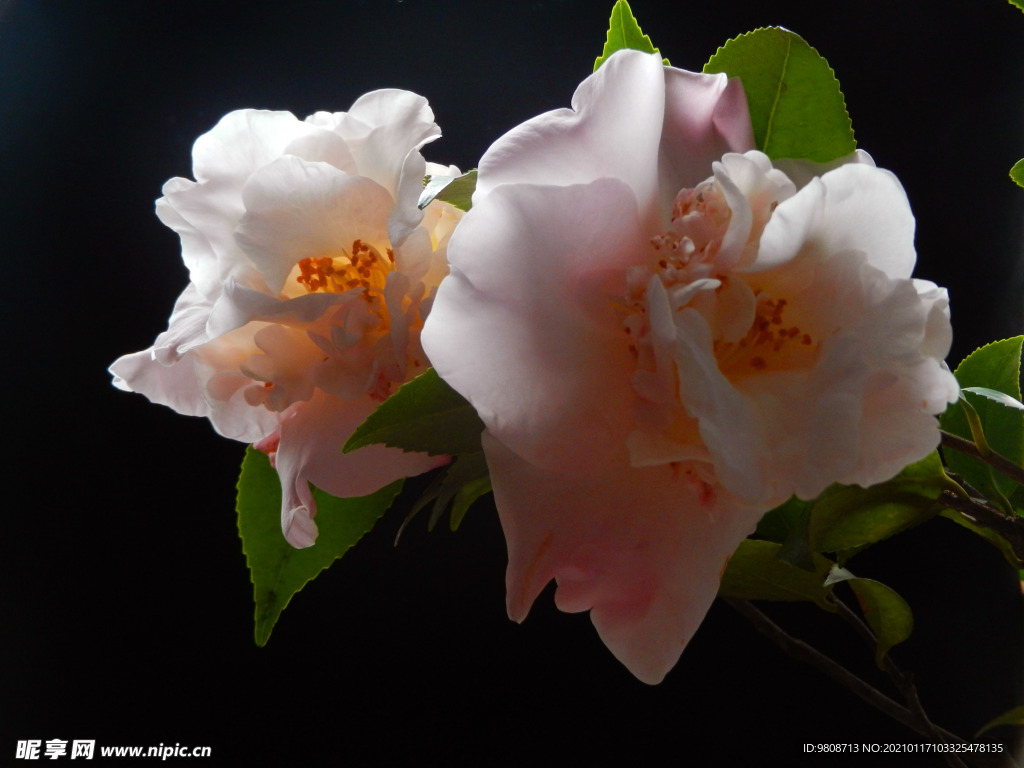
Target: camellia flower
{"points": [[666, 335], [312, 269]]}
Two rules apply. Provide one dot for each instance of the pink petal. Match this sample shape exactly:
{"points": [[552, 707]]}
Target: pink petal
{"points": [[705, 117], [545, 360], [309, 451], [613, 129], [640, 548]]}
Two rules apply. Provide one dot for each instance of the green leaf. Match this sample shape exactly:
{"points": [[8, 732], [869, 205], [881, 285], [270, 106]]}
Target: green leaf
{"points": [[456, 190], [998, 397], [465, 496], [624, 32], [1014, 717], [787, 525], [848, 517], [995, 366], [999, 542], [1018, 3], [888, 614], [278, 570], [796, 107], [458, 485], [777, 524], [424, 415], [754, 572], [1017, 172]]}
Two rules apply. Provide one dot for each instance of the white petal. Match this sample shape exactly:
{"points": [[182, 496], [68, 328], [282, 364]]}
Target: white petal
{"points": [[297, 209]]}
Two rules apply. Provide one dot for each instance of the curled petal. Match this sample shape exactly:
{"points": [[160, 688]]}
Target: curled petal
{"points": [[827, 217], [643, 549], [706, 116], [621, 106], [309, 451], [297, 210]]}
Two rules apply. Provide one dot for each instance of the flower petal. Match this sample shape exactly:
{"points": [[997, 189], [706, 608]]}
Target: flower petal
{"points": [[311, 438], [297, 209], [828, 214], [613, 130], [640, 548], [706, 116], [545, 360]]}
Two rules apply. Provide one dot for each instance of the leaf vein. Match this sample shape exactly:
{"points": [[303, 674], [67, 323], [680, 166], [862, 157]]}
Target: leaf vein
{"points": [[778, 95]]}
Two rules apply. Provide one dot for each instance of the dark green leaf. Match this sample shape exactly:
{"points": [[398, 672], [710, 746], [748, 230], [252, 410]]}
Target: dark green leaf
{"points": [[458, 485], [1017, 172], [787, 525], [995, 366], [993, 538], [754, 572], [847, 517], [278, 570], [424, 415], [888, 614], [796, 107], [1014, 717], [1019, 4], [624, 32], [777, 524], [456, 190], [465, 496]]}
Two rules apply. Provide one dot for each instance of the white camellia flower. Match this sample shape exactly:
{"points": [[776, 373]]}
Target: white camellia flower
{"points": [[666, 335], [312, 270]]}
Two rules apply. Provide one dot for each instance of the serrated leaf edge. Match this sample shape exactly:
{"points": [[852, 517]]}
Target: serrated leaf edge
{"points": [[835, 78]]}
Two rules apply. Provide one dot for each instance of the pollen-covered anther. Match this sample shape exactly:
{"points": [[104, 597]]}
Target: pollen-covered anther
{"points": [[769, 344], [364, 268], [315, 273]]}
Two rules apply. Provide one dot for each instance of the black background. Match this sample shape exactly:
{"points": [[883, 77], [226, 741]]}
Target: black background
{"points": [[125, 605]]}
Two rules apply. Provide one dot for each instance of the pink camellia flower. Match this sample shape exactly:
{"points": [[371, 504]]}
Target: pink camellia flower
{"points": [[312, 270], [666, 336]]}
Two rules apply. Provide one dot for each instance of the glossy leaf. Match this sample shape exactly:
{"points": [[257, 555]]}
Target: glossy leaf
{"points": [[888, 614], [995, 366], [624, 32], [796, 107], [998, 397], [455, 190], [1017, 172], [424, 415], [850, 517], [754, 572], [278, 570]]}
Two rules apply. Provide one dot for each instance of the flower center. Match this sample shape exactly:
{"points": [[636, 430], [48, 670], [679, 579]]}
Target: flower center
{"points": [[700, 220], [770, 343], [363, 268], [698, 266]]}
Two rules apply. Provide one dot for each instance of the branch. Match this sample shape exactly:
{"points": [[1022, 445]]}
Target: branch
{"points": [[987, 516], [801, 651], [993, 459], [904, 684]]}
